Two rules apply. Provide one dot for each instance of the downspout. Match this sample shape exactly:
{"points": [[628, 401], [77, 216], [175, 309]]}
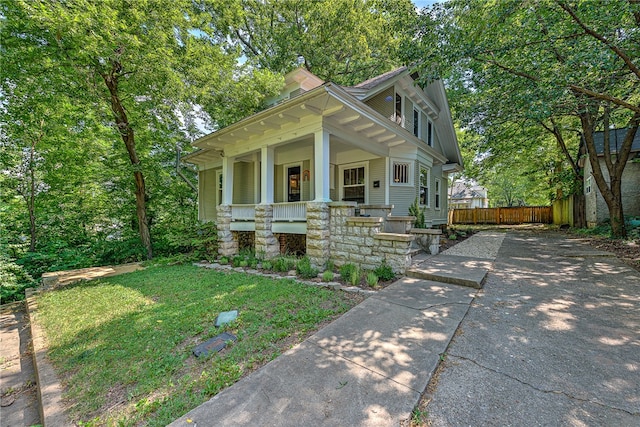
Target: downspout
{"points": [[180, 174]]}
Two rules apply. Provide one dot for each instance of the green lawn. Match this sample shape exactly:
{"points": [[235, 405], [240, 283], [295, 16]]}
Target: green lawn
{"points": [[123, 345]]}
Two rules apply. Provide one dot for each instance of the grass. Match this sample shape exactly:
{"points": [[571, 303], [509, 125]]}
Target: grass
{"points": [[123, 345]]}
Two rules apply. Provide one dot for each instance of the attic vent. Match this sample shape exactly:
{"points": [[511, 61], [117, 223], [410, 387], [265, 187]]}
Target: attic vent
{"points": [[296, 92]]}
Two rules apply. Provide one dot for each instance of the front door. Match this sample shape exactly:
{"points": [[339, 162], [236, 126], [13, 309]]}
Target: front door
{"points": [[293, 183]]}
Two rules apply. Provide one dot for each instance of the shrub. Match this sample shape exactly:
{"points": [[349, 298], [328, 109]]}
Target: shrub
{"points": [[237, 260], [346, 270], [244, 263], [305, 269], [354, 279], [372, 279], [327, 276], [384, 272], [267, 265], [414, 210], [283, 264], [223, 260], [453, 237], [13, 280], [329, 265]]}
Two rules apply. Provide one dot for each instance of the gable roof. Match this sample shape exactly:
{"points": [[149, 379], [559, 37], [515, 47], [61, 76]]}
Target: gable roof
{"points": [[375, 81], [467, 190], [616, 137]]}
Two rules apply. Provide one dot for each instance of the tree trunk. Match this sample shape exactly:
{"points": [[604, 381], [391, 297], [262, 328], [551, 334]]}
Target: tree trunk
{"points": [[31, 200], [127, 134]]}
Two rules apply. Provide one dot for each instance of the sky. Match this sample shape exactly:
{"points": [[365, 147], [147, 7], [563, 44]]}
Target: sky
{"points": [[424, 3]]}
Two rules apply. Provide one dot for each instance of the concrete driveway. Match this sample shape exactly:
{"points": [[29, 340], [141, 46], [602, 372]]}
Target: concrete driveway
{"points": [[553, 339]]}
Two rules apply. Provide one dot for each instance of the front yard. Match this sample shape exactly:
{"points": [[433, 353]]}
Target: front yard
{"points": [[123, 345]]}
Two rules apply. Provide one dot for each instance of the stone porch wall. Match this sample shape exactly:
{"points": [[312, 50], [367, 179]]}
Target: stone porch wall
{"points": [[361, 240], [227, 243], [266, 242]]}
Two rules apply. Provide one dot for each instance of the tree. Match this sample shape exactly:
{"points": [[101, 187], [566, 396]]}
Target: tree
{"points": [[567, 66], [338, 40], [134, 65]]}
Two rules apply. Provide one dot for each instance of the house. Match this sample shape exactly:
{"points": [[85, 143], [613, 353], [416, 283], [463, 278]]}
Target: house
{"points": [[595, 206], [322, 151], [465, 194]]}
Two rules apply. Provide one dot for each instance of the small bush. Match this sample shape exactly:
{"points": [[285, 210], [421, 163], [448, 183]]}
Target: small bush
{"points": [[237, 260], [223, 260], [13, 280], [453, 237], [354, 279], [415, 211], [372, 279], [267, 265], [244, 263], [282, 264], [305, 269], [327, 276], [346, 271], [384, 272]]}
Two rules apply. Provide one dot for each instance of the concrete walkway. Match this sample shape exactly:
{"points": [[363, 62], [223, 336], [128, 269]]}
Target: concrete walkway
{"points": [[552, 339], [368, 368]]}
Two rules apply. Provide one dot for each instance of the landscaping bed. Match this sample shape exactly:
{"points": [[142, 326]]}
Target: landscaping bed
{"points": [[123, 345]]}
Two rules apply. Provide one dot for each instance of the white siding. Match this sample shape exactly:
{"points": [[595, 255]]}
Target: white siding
{"points": [[376, 173]]}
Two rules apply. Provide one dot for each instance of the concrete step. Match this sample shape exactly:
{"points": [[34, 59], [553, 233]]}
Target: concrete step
{"points": [[452, 269]]}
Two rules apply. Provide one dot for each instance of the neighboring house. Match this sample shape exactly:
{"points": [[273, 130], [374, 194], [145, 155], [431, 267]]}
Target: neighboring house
{"points": [[595, 206], [467, 195], [381, 143]]}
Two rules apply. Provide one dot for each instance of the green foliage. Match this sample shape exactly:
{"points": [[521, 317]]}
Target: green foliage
{"points": [[283, 263], [305, 269], [354, 278], [346, 271], [223, 260], [327, 276], [139, 347], [13, 280], [372, 279], [329, 265], [384, 272], [414, 210], [267, 265]]}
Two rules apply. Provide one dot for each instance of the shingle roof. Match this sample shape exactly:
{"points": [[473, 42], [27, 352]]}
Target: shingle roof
{"points": [[375, 81], [616, 137]]}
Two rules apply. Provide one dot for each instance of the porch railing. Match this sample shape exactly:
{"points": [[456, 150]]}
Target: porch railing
{"points": [[243, 212], [295, 211]]}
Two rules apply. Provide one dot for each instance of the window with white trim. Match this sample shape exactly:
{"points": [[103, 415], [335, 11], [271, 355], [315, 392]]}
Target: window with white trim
{"points": [[425, 179], [429, 133], [436, 192], [587, 186], [402, 172], [416, 122], [353, 184]]}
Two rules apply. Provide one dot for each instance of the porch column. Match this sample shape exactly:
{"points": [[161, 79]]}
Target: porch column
{"points": [[266, 170], [227, 243], [266, 243], [318, 233], [321, 166], [227, 180]]}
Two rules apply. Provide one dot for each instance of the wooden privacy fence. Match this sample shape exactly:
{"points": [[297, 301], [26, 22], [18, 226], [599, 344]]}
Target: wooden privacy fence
{"points": [[514, 215]]}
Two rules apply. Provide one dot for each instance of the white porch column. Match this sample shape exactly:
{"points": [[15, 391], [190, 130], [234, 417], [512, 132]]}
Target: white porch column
{"points": [[266, 169], [227, 180], [321, 165]]}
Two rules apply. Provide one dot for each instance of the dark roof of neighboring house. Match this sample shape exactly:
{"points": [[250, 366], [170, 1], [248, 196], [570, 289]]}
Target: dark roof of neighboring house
{"points": [[616, 137], [368, 84]]}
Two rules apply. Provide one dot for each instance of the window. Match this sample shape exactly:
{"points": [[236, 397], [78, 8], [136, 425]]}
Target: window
{"points": [[587, 186], [219, 191], [398, 117], [437, 194], [429, 133], [402, 172], [425, 179], [353, 184], [416, 122]]}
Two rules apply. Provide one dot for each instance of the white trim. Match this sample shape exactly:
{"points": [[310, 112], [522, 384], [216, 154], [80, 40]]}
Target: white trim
{"points": [[428, 169], [341, 169], [410, 173]]}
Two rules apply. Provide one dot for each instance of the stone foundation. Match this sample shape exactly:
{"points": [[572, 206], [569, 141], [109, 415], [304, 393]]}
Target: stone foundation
{"points": [[427, 239]]}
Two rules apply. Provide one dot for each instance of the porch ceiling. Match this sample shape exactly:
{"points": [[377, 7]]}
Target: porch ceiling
{"points": [[328, 107]]}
